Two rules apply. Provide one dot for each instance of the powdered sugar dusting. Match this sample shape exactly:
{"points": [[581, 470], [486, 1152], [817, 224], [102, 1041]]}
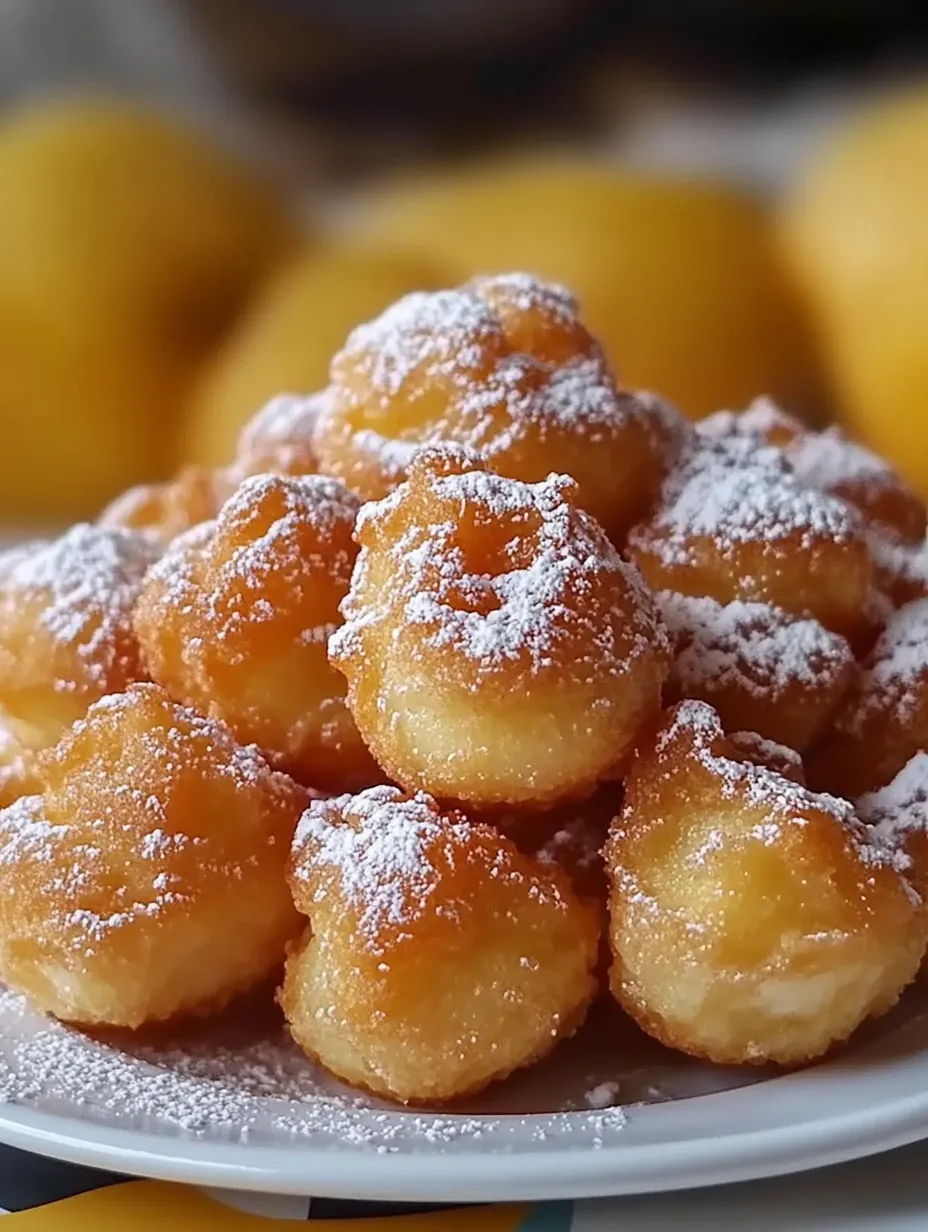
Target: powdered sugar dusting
{"points": [[388, 854], [381, 846], [901, 568], [25, 834], [897, 668], [755, 647], [830, 460], [275, 526], [900, 808], [80, 591], [449, 352], [528, 606], [285, 426], [735, 491], [785, 801], [763, 419]]}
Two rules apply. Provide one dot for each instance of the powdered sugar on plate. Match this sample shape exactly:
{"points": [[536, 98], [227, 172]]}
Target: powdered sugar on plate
{"points": [[77, 592], [254, 1089]]}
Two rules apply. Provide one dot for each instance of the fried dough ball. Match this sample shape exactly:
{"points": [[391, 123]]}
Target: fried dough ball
{"points": [[830, 462], [763, 670], [148, 878], [898, 813], [735, 522], [502, 365], [751, 920], [66, 634], [497, 649], [280, 438], [438, 957], [884, 720], [166, 510], [234, 620]]}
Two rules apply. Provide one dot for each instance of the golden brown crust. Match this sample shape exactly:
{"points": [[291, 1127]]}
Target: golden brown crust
{"points": [[751, 920], [497, 649], [502, 365], [166, 510], [147, 879], [66, 635], [440, 958], [235, 618]]}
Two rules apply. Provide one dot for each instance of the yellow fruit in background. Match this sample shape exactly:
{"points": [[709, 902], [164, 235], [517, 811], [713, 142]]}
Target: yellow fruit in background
{"points": [[855, 233], [128, 246], [286, 342], [679, 278]]}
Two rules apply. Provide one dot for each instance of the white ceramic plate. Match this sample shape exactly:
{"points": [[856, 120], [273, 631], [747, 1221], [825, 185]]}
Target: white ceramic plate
{"points": [[243, 1110]]}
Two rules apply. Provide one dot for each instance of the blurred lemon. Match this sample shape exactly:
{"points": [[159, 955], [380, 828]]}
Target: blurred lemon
{"points": [[679, 278], [855, 234], [128, 245], [286, 342]]}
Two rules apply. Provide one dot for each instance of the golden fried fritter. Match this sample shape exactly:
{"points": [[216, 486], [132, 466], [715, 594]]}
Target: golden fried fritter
{"points": [[438, 956], [148, 877], [235, 618], [750, 920], [497, 649], [502, 365]]}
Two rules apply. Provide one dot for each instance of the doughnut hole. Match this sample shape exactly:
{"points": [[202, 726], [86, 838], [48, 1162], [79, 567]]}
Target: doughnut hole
{"points": [[66, 635], [762, 669], [751, 921], [166, 510], [504, 366], [438, 958], [497, 650], [234, 621], [830, 462], [147, 879], [280, 438], [735, 523]]}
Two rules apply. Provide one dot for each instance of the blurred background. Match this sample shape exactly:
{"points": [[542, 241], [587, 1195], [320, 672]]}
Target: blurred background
{"points": [[199, 199]]}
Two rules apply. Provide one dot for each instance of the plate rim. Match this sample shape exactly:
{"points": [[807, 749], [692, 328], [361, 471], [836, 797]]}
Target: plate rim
{"points": [[623, 1168]]}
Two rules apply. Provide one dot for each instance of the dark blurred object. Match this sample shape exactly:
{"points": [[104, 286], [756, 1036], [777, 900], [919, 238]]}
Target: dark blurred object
{"points": [[387, 79], [363, 83]]}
